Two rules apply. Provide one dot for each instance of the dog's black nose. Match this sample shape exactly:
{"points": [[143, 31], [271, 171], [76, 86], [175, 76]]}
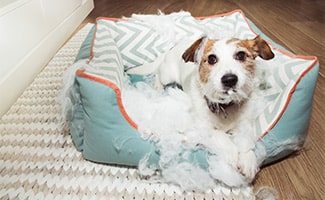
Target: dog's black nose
{"points": [[229, 80]]}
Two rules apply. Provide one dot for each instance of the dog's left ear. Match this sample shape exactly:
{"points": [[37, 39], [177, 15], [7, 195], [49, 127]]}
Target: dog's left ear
{"points": [[262, 48], [189, 54]]}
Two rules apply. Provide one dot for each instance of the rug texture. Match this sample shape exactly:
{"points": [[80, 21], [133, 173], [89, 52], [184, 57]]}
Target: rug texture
{"points": [[39, 161]]}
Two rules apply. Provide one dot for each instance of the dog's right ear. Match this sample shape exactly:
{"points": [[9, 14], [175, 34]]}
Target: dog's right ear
{"points": [[190, 54]]}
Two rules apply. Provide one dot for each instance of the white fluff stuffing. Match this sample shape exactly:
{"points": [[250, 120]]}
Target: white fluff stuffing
{"points": [[66, 93], [266, 193], [155, 105], [163, 24], [165, 117], [167, 26]]}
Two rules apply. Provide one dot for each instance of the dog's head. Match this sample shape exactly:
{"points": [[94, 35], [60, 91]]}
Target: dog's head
{"points": [[227, 67]]}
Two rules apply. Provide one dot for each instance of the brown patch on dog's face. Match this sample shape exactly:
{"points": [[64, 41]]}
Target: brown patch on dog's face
{"points": [[205, 64], [208, 47], [208, 61], [204, 71], [246, 57], [250, 49], [258, 47]]}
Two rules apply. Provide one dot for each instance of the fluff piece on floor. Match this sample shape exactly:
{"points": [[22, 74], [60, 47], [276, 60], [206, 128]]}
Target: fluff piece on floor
{"points": [[266, 193]]}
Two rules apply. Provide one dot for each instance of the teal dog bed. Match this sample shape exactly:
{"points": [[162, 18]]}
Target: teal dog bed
{"points": [[104, 132]]}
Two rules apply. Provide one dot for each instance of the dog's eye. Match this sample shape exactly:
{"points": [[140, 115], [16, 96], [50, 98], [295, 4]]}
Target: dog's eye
{"points": [[241, 56], [212, 59]]}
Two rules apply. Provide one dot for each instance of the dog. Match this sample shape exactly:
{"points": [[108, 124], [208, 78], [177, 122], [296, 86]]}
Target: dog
{"points": [[219, 76]]}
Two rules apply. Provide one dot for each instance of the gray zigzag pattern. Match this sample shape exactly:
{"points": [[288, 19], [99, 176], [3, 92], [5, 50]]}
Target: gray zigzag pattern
{"points": [[131, 39]]}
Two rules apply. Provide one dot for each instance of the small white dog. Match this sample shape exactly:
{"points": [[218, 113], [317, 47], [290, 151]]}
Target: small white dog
{"points": [[219, 77]]}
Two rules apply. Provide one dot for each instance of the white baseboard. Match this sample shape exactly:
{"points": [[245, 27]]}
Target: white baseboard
{"points": [[16, 81]]}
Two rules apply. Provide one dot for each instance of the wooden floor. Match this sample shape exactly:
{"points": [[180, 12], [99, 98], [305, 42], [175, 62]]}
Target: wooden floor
{"points": [[297, 25]]}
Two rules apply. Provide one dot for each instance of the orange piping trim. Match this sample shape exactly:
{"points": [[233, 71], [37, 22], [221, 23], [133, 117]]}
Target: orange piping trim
{"points": [[116, 89], [110, 19], [221, 14]]}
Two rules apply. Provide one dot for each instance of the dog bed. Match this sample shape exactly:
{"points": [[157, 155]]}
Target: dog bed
{"points": [[104, 132]]}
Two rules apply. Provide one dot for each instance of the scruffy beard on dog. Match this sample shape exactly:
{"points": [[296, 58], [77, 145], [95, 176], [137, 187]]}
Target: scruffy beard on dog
{"points": [[219, 76]]}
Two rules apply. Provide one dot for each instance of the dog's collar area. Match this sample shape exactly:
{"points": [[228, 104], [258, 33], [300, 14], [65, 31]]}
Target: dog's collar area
{"points": [[173, 85], [218, 108]]}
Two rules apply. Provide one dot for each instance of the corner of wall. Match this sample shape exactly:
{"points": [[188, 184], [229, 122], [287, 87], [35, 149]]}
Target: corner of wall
{"points": [[21, 75]]}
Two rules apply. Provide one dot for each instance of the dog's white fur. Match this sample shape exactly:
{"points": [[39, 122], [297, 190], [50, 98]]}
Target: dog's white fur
{"points": [[219, 74]]}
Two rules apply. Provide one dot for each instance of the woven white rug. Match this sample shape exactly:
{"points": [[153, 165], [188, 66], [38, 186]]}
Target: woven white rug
{"points": [[39, 161]]}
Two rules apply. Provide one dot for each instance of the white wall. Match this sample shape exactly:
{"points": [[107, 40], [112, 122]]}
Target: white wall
{"points": [[31, 31]]}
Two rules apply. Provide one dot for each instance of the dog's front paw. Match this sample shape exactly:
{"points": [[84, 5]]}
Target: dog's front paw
{"points": [[232, 156], [247, 165]]}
